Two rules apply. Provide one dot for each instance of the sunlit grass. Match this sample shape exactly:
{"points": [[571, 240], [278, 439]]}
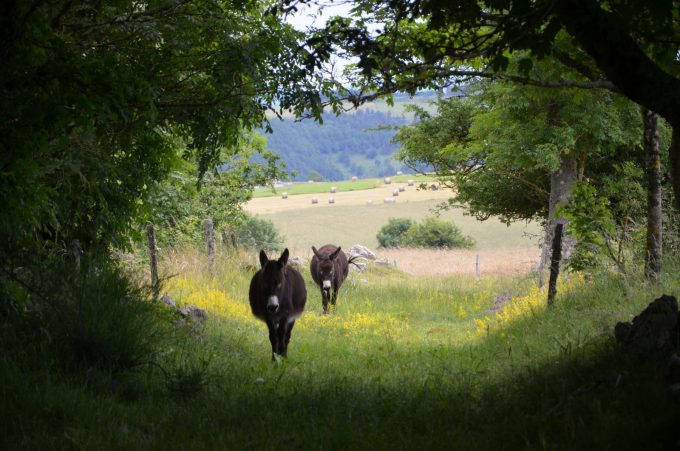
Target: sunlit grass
{"points": [[404, 362], [341, 186]]}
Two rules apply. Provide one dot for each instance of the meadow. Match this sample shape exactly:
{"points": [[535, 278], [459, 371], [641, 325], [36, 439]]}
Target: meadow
{"points": [[404, 362], [447, 361]]}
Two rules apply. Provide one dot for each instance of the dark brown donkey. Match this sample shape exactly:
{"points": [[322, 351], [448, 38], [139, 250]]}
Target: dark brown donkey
{"points": [[277, 297], [329, 268]]}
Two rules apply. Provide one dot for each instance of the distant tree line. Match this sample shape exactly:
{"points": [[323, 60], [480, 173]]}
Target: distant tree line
{"points": [[356, 144]]}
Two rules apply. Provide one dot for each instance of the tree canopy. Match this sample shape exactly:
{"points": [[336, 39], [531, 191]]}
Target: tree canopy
{"points": [[404, 45], [99, 99]]}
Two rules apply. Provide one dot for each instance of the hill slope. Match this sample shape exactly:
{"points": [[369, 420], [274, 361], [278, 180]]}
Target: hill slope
{"points": [[354, 143]]}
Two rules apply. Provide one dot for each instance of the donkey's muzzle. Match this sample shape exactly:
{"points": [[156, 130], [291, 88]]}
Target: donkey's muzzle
{"points": [[273, 304]]}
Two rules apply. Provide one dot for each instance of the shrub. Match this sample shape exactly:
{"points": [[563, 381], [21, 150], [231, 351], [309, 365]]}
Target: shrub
{"points": [[433, 232], [109, 322], [390, 235], [258, 233]]}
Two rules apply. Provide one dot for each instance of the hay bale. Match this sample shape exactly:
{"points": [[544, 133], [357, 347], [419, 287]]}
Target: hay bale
{"points": [[369, 202], [284, 196], [315, 200], [411, 182], [387, 180], [390, 200], [395, 192], [331, 200], [402, 188], [355, 178], [333, 189]]}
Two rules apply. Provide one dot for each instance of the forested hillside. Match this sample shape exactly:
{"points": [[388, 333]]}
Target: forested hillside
{"points": [[357, 144]]}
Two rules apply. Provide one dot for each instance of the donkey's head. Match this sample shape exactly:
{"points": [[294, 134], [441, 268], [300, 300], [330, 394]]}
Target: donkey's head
{"points": [[326, 268], [273, 279]]}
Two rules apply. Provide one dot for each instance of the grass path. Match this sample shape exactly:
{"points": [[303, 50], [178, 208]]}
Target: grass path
{"points": [[404, 363], [410, 362]]}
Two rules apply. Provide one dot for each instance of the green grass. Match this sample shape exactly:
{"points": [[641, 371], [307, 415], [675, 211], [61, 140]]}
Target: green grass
{"points": [[325, 187], [401, 364], [316, 187]]}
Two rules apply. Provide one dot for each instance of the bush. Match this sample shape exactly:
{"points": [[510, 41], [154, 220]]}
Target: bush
{"points": [[258, 233], [90, 315], [107, 321], [433, 232], [390, 235]]}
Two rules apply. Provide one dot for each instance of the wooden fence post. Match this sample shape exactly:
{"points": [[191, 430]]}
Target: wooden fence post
{"points": [[153, 257], [555, 263], [210, 238]]}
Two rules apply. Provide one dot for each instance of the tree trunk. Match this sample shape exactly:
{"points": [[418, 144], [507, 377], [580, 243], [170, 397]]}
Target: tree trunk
{"points": [[153, 259], [210, 238], [654, 249], [561, 182], [674, 164], [555, 259]]}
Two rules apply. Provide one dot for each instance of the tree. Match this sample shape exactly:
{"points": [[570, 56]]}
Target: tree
{"points": [[405, 45], [515, 151], [179, 204], [654, 243], [98, 102], [98, 98]]}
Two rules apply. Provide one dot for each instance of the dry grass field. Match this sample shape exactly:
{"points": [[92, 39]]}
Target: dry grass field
{"points": [[501, 249]]}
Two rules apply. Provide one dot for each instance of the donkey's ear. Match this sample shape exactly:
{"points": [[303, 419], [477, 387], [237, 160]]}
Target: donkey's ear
{"points": [[284, 257], [263, 259], [335, 254], [316, 252]]}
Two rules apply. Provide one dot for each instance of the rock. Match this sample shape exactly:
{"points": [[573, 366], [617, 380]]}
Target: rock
{"points": [[284, 196], [387, 180], [333, 189], [331, 200], [361, 267], [361, 251], [193, 313], [315, 200], [651, 330], [167, 300], [500, 302], [673, 376]]}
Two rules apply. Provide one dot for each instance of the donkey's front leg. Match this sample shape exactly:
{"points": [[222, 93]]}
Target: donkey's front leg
{"points": [[281, 335], [324, 299], [273, 337], [335, 296]]}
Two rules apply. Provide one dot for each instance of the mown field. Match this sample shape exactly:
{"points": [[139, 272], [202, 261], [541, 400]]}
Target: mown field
{"points": [[342, 186], [350, 220]]}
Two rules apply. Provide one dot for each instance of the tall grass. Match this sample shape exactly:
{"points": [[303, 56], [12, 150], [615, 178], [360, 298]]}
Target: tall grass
{"points": [[403, 363]]}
